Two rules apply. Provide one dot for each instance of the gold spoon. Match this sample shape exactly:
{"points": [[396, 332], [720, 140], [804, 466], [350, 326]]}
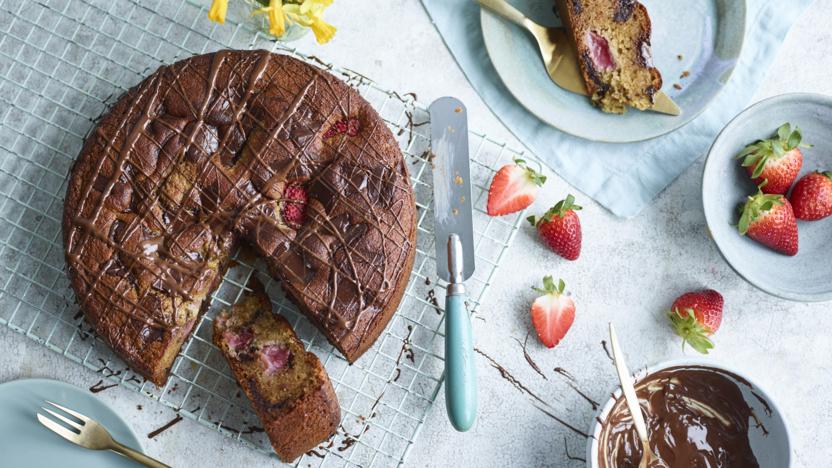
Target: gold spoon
{"points": [[647, 455]]}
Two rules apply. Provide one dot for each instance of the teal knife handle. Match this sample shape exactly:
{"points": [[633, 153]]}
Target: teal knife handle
{"points": [[460, 369]]}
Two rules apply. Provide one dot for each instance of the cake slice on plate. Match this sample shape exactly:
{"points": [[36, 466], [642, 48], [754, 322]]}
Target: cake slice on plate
{"points": [[612, 41], [288, 387]]}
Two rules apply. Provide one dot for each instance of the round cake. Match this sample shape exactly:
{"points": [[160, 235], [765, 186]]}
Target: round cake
{"points": [[230, 147]]}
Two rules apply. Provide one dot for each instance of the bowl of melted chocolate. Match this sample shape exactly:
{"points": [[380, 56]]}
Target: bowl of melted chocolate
{"points": [[698, 414]]}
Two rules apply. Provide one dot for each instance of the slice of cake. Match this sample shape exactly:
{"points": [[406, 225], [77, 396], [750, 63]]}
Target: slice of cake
{"points": [[288, 387], [612, 41]]}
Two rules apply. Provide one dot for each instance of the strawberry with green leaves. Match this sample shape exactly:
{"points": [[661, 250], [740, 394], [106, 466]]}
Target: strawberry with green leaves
{"points": [[513, 188], [811, 197], [560, 228], [695, 316], [776, 160], [769, 220], [553, 312]]}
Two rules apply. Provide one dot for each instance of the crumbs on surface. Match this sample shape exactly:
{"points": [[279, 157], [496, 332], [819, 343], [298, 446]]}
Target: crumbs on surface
{"points": [[684, 74], [680, 57], [458, 180], [458, 110], [677, 86]]}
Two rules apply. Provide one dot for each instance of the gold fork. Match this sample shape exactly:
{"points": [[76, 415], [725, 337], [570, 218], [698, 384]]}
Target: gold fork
{"points": [[91, 435]]}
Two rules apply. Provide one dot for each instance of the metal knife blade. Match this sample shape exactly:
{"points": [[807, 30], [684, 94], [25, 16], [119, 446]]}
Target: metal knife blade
{"points": [[567, 75], [451, 183]]}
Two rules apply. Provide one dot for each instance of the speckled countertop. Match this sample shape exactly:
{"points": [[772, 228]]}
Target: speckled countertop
{"points": [[629, 272]]}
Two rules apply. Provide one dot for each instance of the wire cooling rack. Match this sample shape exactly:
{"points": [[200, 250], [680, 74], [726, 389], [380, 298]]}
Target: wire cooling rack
{"points": [[62, 63]]}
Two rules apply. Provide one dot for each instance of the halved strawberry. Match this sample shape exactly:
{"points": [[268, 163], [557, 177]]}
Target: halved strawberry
{"points": [[769, 220], [513, 188], [776, 160], [552, 313], [560, 228], [695, 316], [811, 197]]}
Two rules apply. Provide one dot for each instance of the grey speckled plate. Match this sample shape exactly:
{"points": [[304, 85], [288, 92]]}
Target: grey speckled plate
{"points": [[708, 34], [808, 275], [24, 442]]}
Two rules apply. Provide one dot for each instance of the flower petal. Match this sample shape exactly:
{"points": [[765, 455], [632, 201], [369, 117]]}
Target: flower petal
{"points": [[218, 10], [323, 31]]}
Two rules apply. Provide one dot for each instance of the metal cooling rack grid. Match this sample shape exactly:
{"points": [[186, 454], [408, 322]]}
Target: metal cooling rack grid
{"points": [[62, 63]]}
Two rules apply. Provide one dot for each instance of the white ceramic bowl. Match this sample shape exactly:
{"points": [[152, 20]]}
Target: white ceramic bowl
{"points": [[772, 450]]}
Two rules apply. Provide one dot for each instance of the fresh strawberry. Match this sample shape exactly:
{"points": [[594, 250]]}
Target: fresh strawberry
{"points": [[811, 197], [769, 220], [560, 228], [293, 205], [513, 188], [552, 313], [695, 316], [776, 160]]}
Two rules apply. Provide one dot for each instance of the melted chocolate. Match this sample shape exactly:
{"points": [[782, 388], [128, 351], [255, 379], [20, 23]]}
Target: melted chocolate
{"points": [[696, 417]]}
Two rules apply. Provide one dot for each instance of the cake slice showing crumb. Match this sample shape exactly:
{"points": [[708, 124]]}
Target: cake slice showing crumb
{"points": [[288, 387], [612, 41]]}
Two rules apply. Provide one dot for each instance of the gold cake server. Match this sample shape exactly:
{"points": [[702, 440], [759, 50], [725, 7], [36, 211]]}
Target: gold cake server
{"points": [[559, 56]]}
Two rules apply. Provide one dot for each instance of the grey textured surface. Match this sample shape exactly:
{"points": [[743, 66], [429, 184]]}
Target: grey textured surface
{"points": [[629, 272]]}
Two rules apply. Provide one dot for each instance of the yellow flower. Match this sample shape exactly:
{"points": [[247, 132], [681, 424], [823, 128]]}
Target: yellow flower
{"points": [[217, 11], [323, 31], [277, 17], [310, 14]]}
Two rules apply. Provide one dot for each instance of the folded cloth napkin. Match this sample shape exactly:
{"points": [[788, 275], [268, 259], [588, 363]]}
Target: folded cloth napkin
{"points": [[622, 177]]}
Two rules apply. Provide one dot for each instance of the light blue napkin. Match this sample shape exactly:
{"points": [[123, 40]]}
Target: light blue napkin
{"points": [[622, 177]]}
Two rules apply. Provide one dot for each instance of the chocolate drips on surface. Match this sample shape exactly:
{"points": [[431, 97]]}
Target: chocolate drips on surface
{"points": [[529, 358], [568, 456], [696, 416], [573, 384], [167, 426], [606, 350], [433, 301], [100, 387], [540, 403]]}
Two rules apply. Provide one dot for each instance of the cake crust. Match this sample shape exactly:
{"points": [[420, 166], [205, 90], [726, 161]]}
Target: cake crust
{"points": [[196, 159]]}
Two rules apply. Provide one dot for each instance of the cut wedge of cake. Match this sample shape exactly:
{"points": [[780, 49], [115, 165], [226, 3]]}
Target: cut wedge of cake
{"points": [[612, 41], [288, 387]]}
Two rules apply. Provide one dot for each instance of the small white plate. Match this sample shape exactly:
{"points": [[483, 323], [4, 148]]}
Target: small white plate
{"points": [[708, 34], [27, 443]]}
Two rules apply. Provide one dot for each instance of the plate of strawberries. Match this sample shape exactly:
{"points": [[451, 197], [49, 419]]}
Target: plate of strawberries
{"points": [[767, 195]]}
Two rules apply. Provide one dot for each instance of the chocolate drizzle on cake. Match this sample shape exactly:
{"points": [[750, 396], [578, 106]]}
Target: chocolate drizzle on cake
{"points": [[195, 160]]}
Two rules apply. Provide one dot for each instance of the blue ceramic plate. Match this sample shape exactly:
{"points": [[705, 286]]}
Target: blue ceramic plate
{"points": [[808, 275], [24, 442], [708, 34]]}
